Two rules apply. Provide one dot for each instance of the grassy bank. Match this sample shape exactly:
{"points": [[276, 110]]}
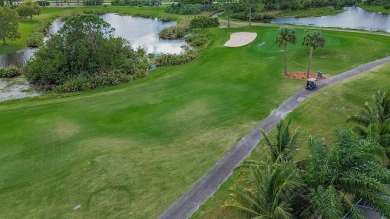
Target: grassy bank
{"points": [[132, 150], [313, 12], [374, 8], [317, 116]]}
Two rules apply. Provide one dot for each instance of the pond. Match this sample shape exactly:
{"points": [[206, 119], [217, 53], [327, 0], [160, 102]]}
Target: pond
{"points": [[352, 17], [141, 32]]}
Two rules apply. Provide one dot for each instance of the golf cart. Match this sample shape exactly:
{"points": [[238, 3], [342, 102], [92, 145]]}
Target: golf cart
{"points": [[311, 84]]}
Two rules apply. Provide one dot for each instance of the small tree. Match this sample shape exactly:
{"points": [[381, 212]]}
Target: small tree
{"points": [[286, 35], [228, 6], [251, 4], [313, 39], [28, 8], [9, 24]]}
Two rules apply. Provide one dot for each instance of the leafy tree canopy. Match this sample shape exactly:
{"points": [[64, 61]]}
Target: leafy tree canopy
{"points": [[84, 54], [9, 24], [28, 8]]}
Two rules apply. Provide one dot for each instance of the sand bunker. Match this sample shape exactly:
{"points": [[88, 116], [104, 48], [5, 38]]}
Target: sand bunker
{"points": [[240, 39]]}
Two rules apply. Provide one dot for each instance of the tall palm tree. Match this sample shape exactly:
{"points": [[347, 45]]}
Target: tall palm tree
{"points": [[268, 194], [351, 168], [373, 121], [285, 144], [285, 36], [313, 39]]}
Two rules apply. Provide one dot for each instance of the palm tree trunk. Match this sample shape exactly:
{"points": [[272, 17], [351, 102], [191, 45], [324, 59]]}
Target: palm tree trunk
{"points": [[285, 59], [308, 65], [250, 14], [228, 19]]}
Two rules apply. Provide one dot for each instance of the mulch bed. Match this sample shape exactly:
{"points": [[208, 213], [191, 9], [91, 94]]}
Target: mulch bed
{"points": [[302, 76]]}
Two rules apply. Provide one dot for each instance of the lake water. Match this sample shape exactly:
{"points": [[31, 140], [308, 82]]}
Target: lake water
{"points": [[141, 32], [352, 17]]}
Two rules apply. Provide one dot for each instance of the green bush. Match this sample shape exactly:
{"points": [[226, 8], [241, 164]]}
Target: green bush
{"points": [[43, 3], [174, 32], [386, 5], [10, 72], [136, 2], [35, 39], [93, 2], [2, 71], [185, 9], [204, 22], [262, 16], [239, 16], [197, 38], [176, 59]]}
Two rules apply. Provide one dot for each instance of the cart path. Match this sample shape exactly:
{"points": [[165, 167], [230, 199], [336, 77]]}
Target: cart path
{"points": [[210, 182]]}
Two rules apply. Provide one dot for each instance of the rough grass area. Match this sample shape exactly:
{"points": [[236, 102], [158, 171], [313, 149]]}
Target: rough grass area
{"points": [[132, 150], [312, 12], [374, 8], [317, 116]]}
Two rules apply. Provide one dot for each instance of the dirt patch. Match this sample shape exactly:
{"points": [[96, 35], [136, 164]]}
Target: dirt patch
{"points": [[303, 76], [240, 39]]}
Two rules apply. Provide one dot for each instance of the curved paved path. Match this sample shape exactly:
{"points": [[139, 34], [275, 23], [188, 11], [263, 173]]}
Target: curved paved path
{"points": [[209, 183]]}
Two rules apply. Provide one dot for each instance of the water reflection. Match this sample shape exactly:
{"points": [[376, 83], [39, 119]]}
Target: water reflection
{"points": [[18, 58], [141, 32], [352, 17]]}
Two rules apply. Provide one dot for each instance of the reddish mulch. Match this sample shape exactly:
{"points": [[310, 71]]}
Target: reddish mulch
{"points": [[302, 76]]}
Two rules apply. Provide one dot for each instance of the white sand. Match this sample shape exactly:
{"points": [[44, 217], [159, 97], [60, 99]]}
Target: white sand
{"points": [[240, 39]]}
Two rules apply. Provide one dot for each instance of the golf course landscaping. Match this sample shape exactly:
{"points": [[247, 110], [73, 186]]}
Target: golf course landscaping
{"points": [[130, 151], [318, 116]]}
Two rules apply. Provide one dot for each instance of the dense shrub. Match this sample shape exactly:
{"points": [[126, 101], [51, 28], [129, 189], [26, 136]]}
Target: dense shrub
{"points": [[174, 32], [35, 39], [86, 82], [239, 16], [136, 2], [262, 16], [386, 5], [93, 2], [185, 9], [197, 38], [298, 4], [43, 3], [10, 72], [84, 54], [176, 59], [204, 22]]}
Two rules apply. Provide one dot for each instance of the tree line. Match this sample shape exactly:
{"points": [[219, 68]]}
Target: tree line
{"points": [[329, 180]]}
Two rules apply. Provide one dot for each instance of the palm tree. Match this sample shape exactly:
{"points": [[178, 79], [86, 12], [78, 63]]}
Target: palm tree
{"points": [[268, 193], [286, 35], [313, 39], [351, 168], [285, 143], [373, 121]]}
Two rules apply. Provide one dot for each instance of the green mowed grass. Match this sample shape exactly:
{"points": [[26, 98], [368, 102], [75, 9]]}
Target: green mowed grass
{"points": [[318, 116], [132, 150]]}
